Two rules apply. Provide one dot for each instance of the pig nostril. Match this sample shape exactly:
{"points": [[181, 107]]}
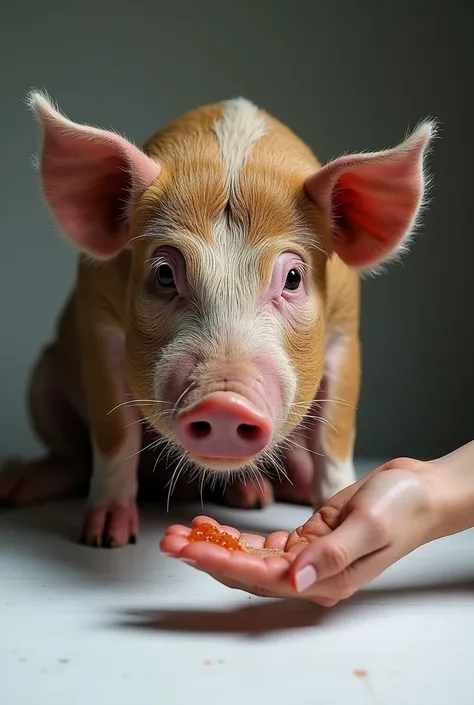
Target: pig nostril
{"points": [[201, 429], [248, 432]]}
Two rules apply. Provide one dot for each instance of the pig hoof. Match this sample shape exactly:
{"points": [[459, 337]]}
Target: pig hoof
{"points": [[113, 527], [250, 495]]}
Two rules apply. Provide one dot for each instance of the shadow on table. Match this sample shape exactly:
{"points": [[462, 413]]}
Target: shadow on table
{"points": [[275, 615], [251, 620]]}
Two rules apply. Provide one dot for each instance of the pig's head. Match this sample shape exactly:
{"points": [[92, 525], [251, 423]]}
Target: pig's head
{"points": [[228, 222]]}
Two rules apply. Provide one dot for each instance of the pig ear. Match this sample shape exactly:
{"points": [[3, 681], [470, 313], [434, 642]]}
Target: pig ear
{"points": [[372, 200], [90, 177]]}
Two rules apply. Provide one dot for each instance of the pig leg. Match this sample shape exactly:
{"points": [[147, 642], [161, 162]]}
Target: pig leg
{"points": [[111, 515], [66, 467], [335, 437], [251, 493], [319, 459]]}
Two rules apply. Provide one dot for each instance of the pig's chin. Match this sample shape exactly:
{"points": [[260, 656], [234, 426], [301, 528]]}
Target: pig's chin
{"points": [[223, 465]]}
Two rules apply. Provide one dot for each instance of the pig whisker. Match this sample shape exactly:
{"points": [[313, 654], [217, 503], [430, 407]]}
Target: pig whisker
{"points": [[144, 420], [183, 463], [168, 455], [165, 447], [152, 421], [157, 460], [305, 435], [136, 402], [142, 236], [281, 471], [274, 461], [318, 402], [188, 388], [322, 420], [256, 475], [153, 444], [201, 488], [290, 442]]}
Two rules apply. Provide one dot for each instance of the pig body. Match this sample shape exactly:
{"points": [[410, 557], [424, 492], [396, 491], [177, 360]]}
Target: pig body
{"points": [[216, 302]]}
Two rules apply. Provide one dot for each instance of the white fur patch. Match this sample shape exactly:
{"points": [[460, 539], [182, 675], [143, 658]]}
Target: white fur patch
{"points": [[336, 476], [240, 126], [334, 351]]}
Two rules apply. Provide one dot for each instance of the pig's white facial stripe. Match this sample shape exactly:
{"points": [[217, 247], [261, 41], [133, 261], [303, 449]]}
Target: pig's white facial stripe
{"points": [[240, 126]]}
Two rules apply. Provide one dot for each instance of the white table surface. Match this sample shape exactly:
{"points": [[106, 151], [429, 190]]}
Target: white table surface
{"points": [[81, 626]]}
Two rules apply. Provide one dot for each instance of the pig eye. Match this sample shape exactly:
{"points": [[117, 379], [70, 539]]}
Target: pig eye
{"points": [[164, 276], [293, 279]]}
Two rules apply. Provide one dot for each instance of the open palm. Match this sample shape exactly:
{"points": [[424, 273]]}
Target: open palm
{"points": [[262, 569]]}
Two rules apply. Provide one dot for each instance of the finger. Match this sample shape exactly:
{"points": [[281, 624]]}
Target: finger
{"points": [[177, 530], [173, 544], [203, 519], [332, 554], [322, 522], [277, 539], [295, 539], [353, 578]]}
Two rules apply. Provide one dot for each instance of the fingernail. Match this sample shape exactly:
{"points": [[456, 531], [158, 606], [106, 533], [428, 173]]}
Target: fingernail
{"points": [[305, 578], [189, 560]]}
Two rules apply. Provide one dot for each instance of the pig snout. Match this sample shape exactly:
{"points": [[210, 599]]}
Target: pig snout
{"points": [[223, 425]]}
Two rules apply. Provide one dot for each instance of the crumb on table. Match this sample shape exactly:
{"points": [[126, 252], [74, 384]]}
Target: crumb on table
{"points": [[361, 673]]}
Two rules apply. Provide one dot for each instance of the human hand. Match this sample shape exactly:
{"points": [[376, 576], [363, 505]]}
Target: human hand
{"points": [[358, 534]]}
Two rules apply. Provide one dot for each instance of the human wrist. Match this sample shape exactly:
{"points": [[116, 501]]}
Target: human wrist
{"points": [[451, 478]]}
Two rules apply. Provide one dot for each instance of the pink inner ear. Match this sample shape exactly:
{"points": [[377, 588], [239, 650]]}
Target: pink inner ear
{"points": [[371, 200], [372, 210], [89, 176]]}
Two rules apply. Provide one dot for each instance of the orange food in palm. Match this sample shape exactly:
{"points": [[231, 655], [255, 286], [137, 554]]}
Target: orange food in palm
{"points": [[211, 534]]}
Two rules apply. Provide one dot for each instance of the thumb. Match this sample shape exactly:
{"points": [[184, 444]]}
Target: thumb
{"points": [[358, 535]]}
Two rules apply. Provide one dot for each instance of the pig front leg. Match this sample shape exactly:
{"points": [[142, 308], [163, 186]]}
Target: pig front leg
{"points": [[335, 436], [116, 435], [319, 453]]}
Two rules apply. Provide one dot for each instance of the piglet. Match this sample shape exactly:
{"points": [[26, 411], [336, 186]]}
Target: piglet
{"points": [[216, 301]]}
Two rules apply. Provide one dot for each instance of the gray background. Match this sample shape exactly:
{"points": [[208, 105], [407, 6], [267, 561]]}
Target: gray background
{"points": [[346, 76]]}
